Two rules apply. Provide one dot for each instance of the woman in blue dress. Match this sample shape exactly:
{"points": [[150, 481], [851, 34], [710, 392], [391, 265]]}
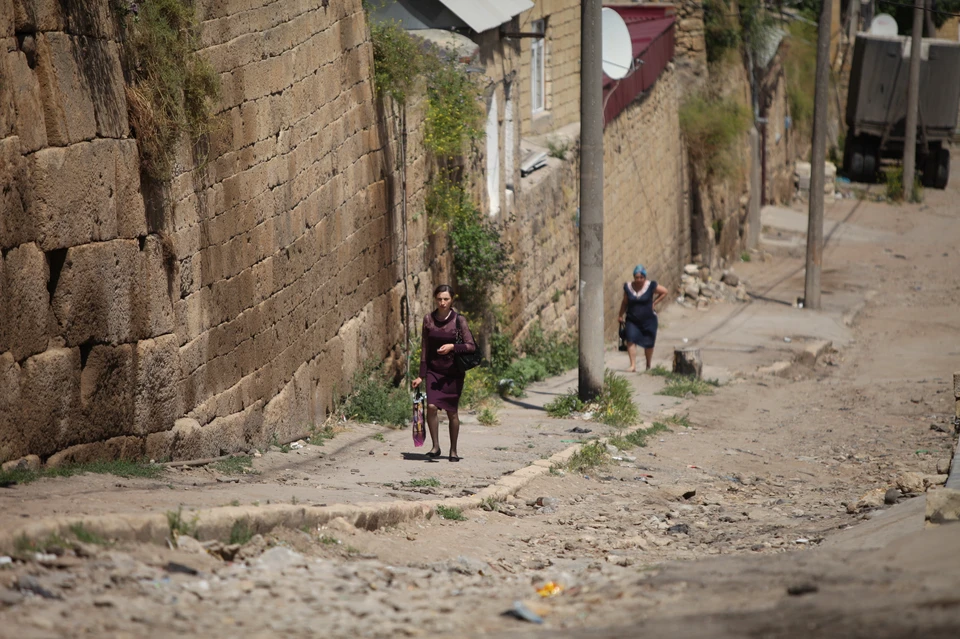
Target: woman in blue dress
{"points": [[639, 316]]}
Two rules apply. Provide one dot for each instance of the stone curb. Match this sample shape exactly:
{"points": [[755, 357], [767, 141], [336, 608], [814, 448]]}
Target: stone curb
{"points": [[217, 523]]}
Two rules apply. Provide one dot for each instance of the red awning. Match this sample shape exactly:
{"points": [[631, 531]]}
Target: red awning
{"points": [[651, 31]]}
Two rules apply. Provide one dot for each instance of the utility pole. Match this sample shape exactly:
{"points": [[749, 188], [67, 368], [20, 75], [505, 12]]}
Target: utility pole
{"points": [[913, 101], [591, 201], [811, 288]]}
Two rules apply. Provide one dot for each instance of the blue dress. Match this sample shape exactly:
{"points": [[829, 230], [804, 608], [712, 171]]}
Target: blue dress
{"points": [[641, 320]]}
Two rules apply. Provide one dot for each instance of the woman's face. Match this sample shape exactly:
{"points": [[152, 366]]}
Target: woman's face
{"points": [[444, 301], [639, 278]]}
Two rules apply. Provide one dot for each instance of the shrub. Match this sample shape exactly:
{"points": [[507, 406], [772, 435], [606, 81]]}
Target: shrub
{"points": [[589, 456], [478, 386], [720, 29], [893, 182], [520, 374], [376, 400], [558, 353], [488, 417], [712, 126], [614, 406], [397, 60], [454, 110]]}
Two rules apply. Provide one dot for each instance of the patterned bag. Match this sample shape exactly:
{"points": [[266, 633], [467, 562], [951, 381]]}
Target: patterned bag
{"points": [[465, 361], [419, 421]]}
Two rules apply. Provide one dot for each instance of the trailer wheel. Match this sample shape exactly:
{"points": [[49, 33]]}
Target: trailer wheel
{"points": [[942, 174], [856, 160], [869, 162]]}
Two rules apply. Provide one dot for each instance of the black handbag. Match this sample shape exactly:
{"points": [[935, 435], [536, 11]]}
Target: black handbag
{"points": [[465, 361], [622, 342]]}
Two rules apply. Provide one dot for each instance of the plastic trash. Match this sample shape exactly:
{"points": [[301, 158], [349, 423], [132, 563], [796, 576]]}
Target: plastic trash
{"points": [[521, 612], [550, 589]]}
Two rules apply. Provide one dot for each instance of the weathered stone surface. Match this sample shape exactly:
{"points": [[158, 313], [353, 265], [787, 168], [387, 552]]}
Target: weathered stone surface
{"points": [[943, 506], [14, 223], [25, 301], [11, 445], [94, 299], [106, 391], [20, 98], [114, 448], [68, 110], [153, 310], [157, 401], [50, 392], [911, 483], [37, 15], [30, 462]]}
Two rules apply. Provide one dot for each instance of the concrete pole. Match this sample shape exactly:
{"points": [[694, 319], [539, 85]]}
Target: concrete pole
{"points": [[591, 201], [811, 288], [753, 208], [913, 102]]}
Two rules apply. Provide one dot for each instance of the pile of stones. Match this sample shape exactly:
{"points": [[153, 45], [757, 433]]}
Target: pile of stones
{"points": [[699, 289]]}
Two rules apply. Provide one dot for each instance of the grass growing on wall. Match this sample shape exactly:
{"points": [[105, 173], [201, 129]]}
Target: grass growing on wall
{"points": [[800, 66], [712, 126], [172, 90]]}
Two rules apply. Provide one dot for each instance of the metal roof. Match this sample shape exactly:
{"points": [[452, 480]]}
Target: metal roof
{"points": [[481, 15]]}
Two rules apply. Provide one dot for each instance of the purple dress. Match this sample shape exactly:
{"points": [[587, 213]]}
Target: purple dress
{"points": [[443, 381]]}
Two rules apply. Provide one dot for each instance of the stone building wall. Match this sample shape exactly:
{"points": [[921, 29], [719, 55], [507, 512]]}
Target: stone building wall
{"points": [[562, 66], [242, 293], [646, 220]]}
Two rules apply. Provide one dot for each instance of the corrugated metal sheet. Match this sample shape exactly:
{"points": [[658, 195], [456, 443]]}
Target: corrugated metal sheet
{"points": [[481, 15], [652, 33]]}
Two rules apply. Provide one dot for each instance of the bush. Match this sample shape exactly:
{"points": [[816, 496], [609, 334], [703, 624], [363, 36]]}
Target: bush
{"points": [[893, 181], [478, 386], [376, 400], [712, 126], [502, 352], [481, 258], [614, 406], [397, 60], [720, 29], [557, 353], [520, 374]]}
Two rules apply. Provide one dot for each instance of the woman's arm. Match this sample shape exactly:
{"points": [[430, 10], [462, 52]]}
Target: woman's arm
{"points": [[659, 294], [623, 308], [468, 346]]}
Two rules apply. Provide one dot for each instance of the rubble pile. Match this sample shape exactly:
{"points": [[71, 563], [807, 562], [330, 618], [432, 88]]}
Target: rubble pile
{"points": [[699, 289]]}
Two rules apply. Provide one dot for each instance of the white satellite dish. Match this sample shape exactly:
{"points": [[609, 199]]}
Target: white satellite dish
{"points": [[617, 46], [884, 25]]}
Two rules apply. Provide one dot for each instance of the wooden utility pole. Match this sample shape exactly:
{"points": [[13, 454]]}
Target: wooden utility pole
{"points": [[811, 289], [591, 201], [913, 102]]}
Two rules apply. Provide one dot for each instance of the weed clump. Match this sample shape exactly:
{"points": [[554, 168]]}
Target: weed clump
{"points": [[236, 465], [376, 400], [240, 532], [614, 406], [450, 512], [173, 90], [589, 456], [712, 125], [120, 468]]}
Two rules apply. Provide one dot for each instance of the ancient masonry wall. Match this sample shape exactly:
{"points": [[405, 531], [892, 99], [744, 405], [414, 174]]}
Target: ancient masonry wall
{"points": [[646, 220], [245, 291]]}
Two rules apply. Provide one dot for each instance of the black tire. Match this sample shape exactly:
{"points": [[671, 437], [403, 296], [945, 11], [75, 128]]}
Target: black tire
{"points": [[856, 161], [869, 164], [943, 169]]}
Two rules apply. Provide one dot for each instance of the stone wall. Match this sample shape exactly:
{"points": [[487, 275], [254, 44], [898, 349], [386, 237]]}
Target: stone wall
{"points": [[242, 293], [646, 220]]}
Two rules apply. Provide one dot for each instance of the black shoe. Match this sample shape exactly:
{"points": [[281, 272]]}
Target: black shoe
{"points": [[434, 455], [453, 458]]}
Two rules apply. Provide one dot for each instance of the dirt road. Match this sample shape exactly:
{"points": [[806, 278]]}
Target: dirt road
{"points": [[759, 519]]}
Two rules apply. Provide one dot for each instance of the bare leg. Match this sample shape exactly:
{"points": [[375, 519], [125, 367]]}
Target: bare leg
{"points": [[433, 425], [454, 420], [632, 352], [648, 353]]}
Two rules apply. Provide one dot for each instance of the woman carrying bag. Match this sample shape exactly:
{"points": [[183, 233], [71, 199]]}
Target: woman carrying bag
{"points": [[448, 350]]}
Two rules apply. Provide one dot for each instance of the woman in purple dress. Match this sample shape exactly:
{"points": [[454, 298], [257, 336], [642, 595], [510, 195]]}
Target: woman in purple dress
{"points": [[439, 370]]}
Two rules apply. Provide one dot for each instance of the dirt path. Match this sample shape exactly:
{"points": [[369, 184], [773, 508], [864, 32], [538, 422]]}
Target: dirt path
{"points": [[712, 530]]}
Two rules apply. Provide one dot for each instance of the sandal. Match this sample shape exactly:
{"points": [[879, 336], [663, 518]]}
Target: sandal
{"points": [[435, 455]]}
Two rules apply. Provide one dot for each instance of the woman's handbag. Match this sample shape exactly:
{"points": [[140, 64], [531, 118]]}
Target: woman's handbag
{"points": [[419, 412], [621, 342], [465, 361]]}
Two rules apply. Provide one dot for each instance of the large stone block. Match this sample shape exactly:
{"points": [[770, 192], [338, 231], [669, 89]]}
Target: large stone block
{"points": [[73, 195], [16, 227], [153, 308], [24, 97], [25, 302], [94, 298], [37, 15], [106, 392], [12, 444], [130, 448], [157, 401], [50, 400], [68, 110]]}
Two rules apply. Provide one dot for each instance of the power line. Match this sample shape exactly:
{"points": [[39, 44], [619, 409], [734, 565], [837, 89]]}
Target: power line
{"points": [[924, 8]]}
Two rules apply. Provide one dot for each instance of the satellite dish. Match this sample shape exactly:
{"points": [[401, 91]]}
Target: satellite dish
{"points": [[884, 25], [617, 47]]}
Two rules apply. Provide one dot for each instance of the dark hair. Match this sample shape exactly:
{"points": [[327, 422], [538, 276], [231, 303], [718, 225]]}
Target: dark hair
{"points": [[443, 288]]}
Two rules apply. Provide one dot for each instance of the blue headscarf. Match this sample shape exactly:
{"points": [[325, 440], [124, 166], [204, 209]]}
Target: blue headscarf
{"points": [[639, 269]]}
